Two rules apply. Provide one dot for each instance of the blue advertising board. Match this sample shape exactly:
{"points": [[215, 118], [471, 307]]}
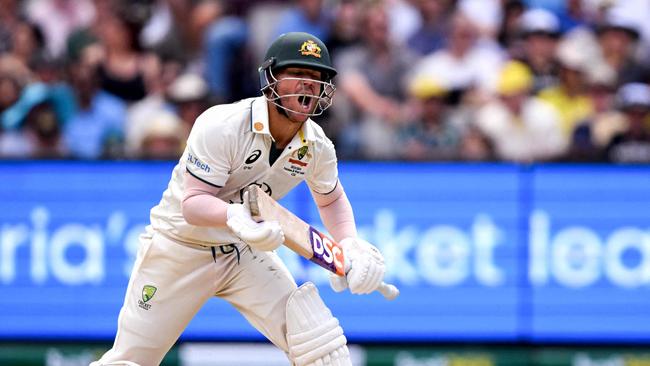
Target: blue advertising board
{"points": [[480, 252]]}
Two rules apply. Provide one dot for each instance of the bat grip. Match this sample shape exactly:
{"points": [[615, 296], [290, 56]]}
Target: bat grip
{"points": [[390, 292]]}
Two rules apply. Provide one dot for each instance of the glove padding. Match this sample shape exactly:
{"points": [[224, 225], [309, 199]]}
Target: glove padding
{"points": [[265, 235], [366, 270]]}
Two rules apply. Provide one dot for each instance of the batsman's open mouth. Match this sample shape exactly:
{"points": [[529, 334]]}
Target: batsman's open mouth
{"points": [[305, 102]]}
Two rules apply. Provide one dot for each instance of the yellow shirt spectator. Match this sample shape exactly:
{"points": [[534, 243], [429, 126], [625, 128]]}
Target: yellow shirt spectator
{"points": [[572, 109]]}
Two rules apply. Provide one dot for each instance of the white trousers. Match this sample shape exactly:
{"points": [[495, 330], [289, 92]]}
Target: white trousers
{"points": [[185, 278]]}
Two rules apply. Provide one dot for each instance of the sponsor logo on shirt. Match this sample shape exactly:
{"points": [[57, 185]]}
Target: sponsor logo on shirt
{"points": [[253, 157], [193, 160]]}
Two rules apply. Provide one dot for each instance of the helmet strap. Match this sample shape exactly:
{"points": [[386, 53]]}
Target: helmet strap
{"points": [[278, 107]]}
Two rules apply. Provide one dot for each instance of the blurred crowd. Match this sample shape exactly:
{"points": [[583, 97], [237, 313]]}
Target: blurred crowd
{"points": [[421, 80]]}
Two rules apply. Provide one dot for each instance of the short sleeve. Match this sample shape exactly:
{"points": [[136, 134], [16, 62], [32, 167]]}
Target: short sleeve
{"points": [[325, 173], [209, 151]]}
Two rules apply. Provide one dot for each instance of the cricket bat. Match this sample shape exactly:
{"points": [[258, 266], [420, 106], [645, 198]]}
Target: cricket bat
{"points": [[303, 238]]}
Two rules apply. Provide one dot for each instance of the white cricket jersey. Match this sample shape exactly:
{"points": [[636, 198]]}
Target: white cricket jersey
{"points": [[229, 148]]}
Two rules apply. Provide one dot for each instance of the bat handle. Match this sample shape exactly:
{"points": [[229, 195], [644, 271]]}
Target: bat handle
{"points": [[390, 292]]}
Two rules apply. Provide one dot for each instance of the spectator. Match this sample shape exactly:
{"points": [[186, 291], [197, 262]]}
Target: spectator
{"points": [[167, 32], [432, 135], [46, 102], [576, 15], [464, 63], [198, 37], [124, 70], [590, 137], [58, 19], [185, 96], [570, 98], [10, 14], [27, 43], [9, 91], [32, 127], [635, 13], [618, 38], [540, 30], [475, 146], [305, 16], [633, 144], [430, 36], [508, 35], [24, 46], [163, 138], [345, 30], [227, 61], [52, 73], [189, 96], [521, 127], [484, 15], [19, 72], [403, 18], [372, 79], [96, 130]]}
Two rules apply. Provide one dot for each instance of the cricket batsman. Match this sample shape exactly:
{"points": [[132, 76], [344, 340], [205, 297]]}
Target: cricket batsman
{"points": [[202, 241]]}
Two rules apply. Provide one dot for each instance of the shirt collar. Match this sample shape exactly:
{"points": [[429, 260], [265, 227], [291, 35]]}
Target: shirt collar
{"points": [[260, 116], [259, 122]]}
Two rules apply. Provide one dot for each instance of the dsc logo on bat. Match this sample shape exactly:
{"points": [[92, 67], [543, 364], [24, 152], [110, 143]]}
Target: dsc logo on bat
{"points": [[327, 253]]}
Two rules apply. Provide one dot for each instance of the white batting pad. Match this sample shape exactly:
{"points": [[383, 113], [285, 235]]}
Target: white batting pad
{"points": [[313, 334]]}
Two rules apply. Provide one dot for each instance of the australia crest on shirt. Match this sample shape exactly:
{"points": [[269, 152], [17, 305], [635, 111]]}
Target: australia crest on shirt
{"points": [[298, 161]]}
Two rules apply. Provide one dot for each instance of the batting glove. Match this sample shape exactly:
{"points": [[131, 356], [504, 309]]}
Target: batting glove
{"points": [[366, 270], [265, 235]]}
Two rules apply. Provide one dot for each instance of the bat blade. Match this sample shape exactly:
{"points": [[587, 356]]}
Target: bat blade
{"points": [[304, 239]]}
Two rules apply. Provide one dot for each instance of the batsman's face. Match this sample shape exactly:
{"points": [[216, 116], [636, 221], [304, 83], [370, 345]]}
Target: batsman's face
{"points": [[299, 90]]}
